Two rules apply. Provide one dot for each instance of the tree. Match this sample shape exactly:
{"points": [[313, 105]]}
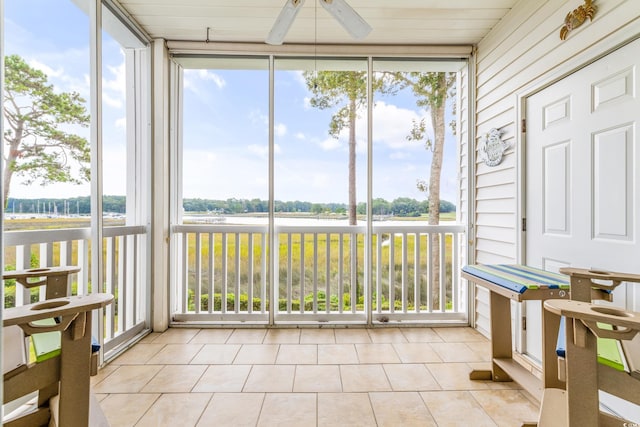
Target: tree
{"points": [[37, 146], [347, 89], [432, 90]]}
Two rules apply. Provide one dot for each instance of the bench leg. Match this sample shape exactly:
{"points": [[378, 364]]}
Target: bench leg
{"points": [[500, 339]]}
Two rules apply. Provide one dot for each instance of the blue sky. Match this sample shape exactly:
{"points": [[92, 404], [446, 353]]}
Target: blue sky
{"points": [[225, 123]]}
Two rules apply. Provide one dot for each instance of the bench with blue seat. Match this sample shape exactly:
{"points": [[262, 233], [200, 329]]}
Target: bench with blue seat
{"points": [[506, 283]]}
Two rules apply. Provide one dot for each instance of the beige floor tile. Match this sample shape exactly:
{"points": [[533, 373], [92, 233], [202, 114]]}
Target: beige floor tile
{"points": [[223, 378], [345, 409], [297, 354], [125, 410], [421, 335], [337, 354], [460, 334], [400, 409], [352, 336], [506, 407], [270, 378], [317, 336], [175, 354], [364, 378], [175, 379], [247, 336], [317, 378], [282, 336], [288, 409], [232, 410], [212, 336], [456, 352], [416, 353], [377, 353], [386, 335], [103, 373], [176, 336], [410, 377], [175, 409], [481, 349], [149, 338], [257, 354], [138, 355], [326, 376], [127, 379], [455, 376], [456, 408], [216, 354]]}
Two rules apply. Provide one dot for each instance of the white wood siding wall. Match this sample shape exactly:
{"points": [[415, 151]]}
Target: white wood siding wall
{"points": [[521, 54]]}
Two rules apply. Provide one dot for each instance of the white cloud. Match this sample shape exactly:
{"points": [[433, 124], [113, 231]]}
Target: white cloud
{"points": [[300, 136], [262, 151], [391, 127], [111, 101], [399, 155], [331, 144], [258, 150], [257, 117], [192, 80], [114, 85], [280, 129], [207, 75], [50, 72], [224, 174], [121, 123]]}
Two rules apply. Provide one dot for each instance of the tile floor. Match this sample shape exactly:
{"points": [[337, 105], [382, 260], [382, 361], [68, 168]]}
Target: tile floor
{"points": [[308, 377]]}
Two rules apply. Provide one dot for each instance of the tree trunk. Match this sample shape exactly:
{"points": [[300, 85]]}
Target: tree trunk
{"points": [[353, 219], [12, 157], [437, 119]]}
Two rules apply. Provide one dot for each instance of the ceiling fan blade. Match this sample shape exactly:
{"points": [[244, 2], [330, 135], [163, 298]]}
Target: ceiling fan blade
{"points": [[284, 21], [347, 17]]}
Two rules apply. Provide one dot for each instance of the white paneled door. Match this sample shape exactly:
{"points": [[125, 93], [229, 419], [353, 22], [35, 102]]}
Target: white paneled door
{"points": [[582, 177]]}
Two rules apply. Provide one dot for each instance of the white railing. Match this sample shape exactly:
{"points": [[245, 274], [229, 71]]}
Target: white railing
{"points": [[319, 273], [125, 274]]}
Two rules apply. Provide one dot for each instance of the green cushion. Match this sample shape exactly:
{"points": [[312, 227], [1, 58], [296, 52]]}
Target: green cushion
{"points": [[47, 344], [609, 351]]}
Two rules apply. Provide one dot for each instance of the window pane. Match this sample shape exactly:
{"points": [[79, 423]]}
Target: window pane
{"points": [[49, 173], [124, 115], [320, 127], [406, 145], [226, 142]]}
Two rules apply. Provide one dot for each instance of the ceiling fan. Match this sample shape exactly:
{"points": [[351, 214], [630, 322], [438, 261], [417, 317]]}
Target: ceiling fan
{"points": [[339, 9]]}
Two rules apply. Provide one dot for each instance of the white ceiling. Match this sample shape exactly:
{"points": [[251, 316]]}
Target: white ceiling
{"points": [[397, 22]]}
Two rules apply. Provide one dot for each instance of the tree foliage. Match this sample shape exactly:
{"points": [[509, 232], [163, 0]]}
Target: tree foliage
{"points": [[38, 146], [82, 206]]}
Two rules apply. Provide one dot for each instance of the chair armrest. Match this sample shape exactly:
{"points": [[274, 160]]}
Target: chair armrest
{"points": [[23, 276], [613, 277], [626, 322], [66, 308]]}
